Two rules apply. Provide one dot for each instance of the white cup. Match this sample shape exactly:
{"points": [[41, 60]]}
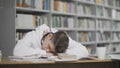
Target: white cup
{"points": [[101, 51]]}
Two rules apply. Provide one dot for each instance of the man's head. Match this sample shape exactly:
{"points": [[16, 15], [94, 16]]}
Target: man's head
{"points": [[60, 40], [55, 42]]}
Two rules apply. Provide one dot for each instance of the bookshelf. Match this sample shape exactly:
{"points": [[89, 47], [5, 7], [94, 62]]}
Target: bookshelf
{"points": [[90, 22]]}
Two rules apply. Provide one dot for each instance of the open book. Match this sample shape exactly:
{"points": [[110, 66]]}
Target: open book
{"points": [[32, 59], [66, 58], [114, 56], [60, 58], [43, 59]]}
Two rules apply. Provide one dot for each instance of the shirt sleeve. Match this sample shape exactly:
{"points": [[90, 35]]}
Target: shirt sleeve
{"points": [[76, 48], [25, 46], [29, 44]]}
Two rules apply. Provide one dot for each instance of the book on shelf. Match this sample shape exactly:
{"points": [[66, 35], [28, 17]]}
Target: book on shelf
{"points": [[84, 23], [116, 36], [87, 9], [105, 36], [99, 1], [117, 3], [110, 2], [103, 24], [29, 21], [117, 14], [63, 6], [80, 9], [46, 4], [25, 3], [99, 11], [91, 23], [86, 37], [92, 1], [24, 21], [57, 21], [37, 4], [116, 25], [62, 22], [113, 13], [65, 22], [108, 12], [81, 23], [19, 35]]}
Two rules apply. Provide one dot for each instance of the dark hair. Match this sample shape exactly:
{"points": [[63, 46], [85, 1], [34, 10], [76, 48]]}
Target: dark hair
{"points": [[60, 41]]}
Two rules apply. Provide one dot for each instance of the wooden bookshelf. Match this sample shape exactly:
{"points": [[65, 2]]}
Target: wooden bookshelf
{"points": [[95, 17]]}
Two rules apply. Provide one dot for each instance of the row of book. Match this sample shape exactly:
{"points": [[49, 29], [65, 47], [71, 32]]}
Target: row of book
{"points": [[63, 6], [116, 36], [103, 36], [104, 2], [87, 9], [111, 2], [60, 5], [69, 7], [28, 21], [84, 9], [63, 21], [116, 25], [32, 21], [19, 35], [37, 4], [117, 3], [86, 1], [117, 14], [92, 36], [99, 11], [84, 23], [103, 24], [108, 12], [86, 36]]}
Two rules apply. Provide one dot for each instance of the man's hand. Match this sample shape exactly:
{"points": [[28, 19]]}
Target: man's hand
{"points": [[49, 54]]}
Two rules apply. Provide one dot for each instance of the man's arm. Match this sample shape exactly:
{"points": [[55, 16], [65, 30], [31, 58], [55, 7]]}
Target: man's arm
{"points": [[76, 48], [26, 46], [30, 44]]}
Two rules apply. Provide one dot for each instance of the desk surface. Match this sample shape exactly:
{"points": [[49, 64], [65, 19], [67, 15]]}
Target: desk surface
{"points": [[5, 62]]}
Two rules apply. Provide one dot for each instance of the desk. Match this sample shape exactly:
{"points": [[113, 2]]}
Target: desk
{"points": [[51, 64]]}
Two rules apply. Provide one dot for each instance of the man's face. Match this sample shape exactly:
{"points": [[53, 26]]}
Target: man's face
{"points": [[48, 45]]}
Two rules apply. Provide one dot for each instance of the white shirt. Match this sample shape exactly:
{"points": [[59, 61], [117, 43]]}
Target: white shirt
{"points": [[31, 44]]}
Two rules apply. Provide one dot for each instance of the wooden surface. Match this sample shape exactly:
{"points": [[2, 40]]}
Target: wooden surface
{"points": [[52, 62], [69, 64]]}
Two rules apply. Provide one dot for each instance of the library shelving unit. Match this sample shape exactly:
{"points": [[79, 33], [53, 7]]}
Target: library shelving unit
{"points": [[89, 22]]}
